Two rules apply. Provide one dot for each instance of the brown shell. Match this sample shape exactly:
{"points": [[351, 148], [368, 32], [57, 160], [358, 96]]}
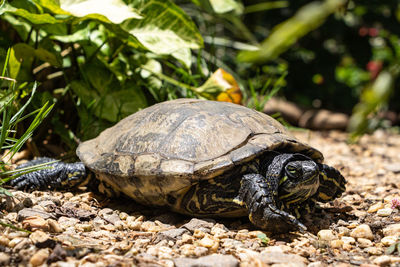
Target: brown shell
{"points": [[170, 146]]}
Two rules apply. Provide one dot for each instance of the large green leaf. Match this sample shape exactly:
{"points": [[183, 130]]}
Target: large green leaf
{"points": [[165, 28], [112, 106], [115, 11], [31, 17]]}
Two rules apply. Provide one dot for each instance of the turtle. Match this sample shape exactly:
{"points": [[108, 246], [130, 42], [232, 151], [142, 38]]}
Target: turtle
{"points": [[201, 158]]}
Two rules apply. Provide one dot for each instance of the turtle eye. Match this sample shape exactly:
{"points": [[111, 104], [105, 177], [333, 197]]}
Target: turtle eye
{"points": [[293, 172]]}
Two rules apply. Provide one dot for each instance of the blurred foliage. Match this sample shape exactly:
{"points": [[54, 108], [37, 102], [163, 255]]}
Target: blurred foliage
{"points": [[100, 60]]}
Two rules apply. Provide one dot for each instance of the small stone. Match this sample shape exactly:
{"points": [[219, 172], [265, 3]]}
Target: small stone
{"points": [[393, 167], [207, 242], [389, 240], [363, 231], [337, 243], [4, 241], [374, 251], [38, 237], [343, 231], [29, 212], [39, 257], [326, 235], [200, 251], [34, 223], [364, 243], [317, 264], [172, 234], [204, 225], [66, 222], [375, 207], [84, 227], [392, 230], [347, 247], [348, 240], [214, 260], [282, 259], [132, 223], [55, 227], [15, 242], [123, 215], [384, 212], [4, 259], [68, 195], [382, 260], [187, 250]]}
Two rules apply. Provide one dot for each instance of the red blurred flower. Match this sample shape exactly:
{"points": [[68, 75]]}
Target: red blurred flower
{"points": [[374, 67]]}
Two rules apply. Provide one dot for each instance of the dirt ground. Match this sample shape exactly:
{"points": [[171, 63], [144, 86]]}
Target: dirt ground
{"points": [[83, 229]]}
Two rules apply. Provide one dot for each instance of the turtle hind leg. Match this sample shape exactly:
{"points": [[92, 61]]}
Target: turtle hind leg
{"points": [[258, 196], [332, 184], [55, 176]]}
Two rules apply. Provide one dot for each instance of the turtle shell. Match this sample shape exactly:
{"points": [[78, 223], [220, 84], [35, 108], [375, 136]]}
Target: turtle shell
{"points": [[166, 148]]}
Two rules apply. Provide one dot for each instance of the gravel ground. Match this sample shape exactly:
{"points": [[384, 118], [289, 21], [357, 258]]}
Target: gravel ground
{"points": [[80, 228]]}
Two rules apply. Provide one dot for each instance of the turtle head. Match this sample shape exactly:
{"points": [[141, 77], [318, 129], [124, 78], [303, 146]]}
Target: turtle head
{"points": [[299, 180]]}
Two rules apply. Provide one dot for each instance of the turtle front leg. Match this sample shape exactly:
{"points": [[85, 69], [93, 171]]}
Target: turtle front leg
{"points": [[56, 175], [332, 184], [258, 196]]}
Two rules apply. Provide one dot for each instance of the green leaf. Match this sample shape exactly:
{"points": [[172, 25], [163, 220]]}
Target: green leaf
{"points": [[287, 33], [115, 11], [14, 64], [31, 17], [47, 56], [184, 55], [165, 28], [99, 75], [224, 6], [25, 52]]}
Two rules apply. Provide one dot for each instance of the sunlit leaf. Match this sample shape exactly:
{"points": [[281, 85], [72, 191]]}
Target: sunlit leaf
{"points": [[115, 11], [224, 6], [184, 55], [165, 28]]}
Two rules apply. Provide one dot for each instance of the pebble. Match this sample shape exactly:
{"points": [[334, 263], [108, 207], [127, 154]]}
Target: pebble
{"points": [[363, 231], [376, 207], [348, 240], [39, 257], [392, 230], [283, 259], [209, 242], [66, 222], [4, 241], [55, 227], [374, 251], [214, 260], [364, 243], [38, 237], [4, 259], [29, 212], [388, 240], [34, 223], [382, 260], [204, 225], [326, 235], [384, 212], [336, 243]]}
